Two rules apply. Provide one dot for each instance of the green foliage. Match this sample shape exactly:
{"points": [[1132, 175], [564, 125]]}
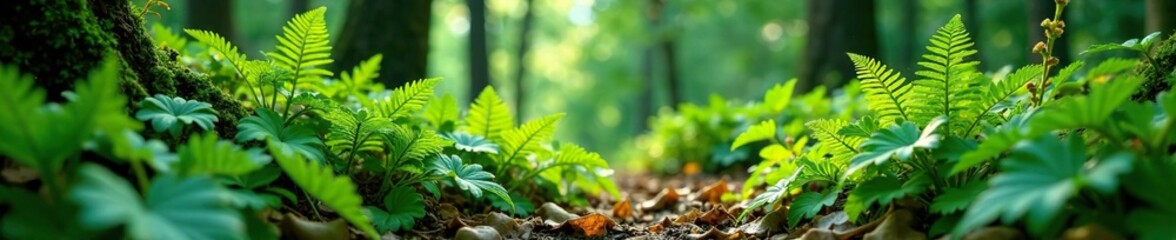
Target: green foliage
{"points": [[219, 45], [999, 92], [1133, 44], [488, 116], [443, 112], [773, 195], [1038, 178], [173, 208], [763, 131], [206, 155], [778, 97], [526, 139], [826, 130], [900, 141], [808, 204], [353, 132], [404, 205], [165, 113], [948, 80], [468, 177], [358, 83], [268, 126], [956, 199], [881, 190], [407, 99], [887, 92], [336, 192], [464, 141], [304, 47]]}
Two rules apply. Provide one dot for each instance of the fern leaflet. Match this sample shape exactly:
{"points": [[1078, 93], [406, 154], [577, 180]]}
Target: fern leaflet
{"points": [[220, 45], [826, 130], [949, 80], [527, 138], [407, 99], [337, 192], [999, 91], [887, 93], [489, 116], [304, 46]]}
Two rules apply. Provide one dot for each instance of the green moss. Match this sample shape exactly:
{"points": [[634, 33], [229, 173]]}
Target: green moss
{"points": [[1157, 77], [57, 41]]}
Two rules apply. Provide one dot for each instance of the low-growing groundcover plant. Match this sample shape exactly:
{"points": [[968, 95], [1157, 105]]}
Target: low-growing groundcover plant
{"points": [[315, 148], [1035, 149]]}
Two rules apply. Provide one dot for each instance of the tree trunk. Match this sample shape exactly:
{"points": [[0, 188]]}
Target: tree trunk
{"points": [[645, 99], [398, 29], [216, 16], [909, 41], [972, 24], [478, 59], [1040, 10], [1160, 17], [665, 44], [836, 27], [520, 67]]}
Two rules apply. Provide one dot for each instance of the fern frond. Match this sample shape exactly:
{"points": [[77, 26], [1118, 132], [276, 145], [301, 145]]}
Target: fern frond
{"points": [[527, 138], [574, 155], [443, 111], [222, 46], [407, 144], [489, 116], [352, 132], [336, 192], [407, 99], [887, 93], [359, 81], [949, 80], [999, 91], [826, 130], [304, 46]]}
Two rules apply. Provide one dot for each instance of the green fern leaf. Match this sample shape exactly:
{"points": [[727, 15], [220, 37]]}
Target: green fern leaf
{"points": [[949, 80], [354, 132], [528, 138], [826, 130], [1000, 91], [442, 112], [165, 112], [407, 99], [207, 155], [359, 82], [222, 46], [808, 204], [336, 192], [304, 47], [406, 144], [489, 116], [763, 131], [887, 93], [897, 141]]}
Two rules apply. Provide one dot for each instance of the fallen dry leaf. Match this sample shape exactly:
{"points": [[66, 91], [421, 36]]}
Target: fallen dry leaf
{"points": [[622, 209], [18, 174], [897, 225], [664, 198], [831, 220], [477, 233], [1088, 231], [713, 233], [713, 193], [593, 225], [297, 228], [661, 226], [772, 222], [689, 217], [715, 216], [552, 212]]}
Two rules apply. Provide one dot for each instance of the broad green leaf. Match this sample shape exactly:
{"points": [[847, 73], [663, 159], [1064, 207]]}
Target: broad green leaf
{"points": [[206, 155], [773, 195], [899, 140], [174, 208], [267, 125], [1133, 44], [883, 190], [1038, 178], [404, 205], [808, 204], [470, 178], [956, 199], [778, 97], [336, 192], [488, 116], [763, 131], [166, 113], [471, 143], [775, 152], [522, 206]]}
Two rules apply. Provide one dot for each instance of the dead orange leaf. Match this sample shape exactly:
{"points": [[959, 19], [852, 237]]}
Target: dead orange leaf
{"points": [[715, 216], [593, 225], [622, 209], [664, 198], [661, 226], [694, 214], [713, 193]]}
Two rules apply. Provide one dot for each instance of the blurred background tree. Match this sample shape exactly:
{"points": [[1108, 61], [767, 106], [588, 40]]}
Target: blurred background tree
{"points": [[611, 64]]}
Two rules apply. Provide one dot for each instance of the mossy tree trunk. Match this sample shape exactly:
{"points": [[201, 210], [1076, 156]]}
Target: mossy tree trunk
{"points": [[60, 41]]}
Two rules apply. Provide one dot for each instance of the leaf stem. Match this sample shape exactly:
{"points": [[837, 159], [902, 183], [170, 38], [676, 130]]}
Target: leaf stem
{"points": [[140, 175], [313, 206]]}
